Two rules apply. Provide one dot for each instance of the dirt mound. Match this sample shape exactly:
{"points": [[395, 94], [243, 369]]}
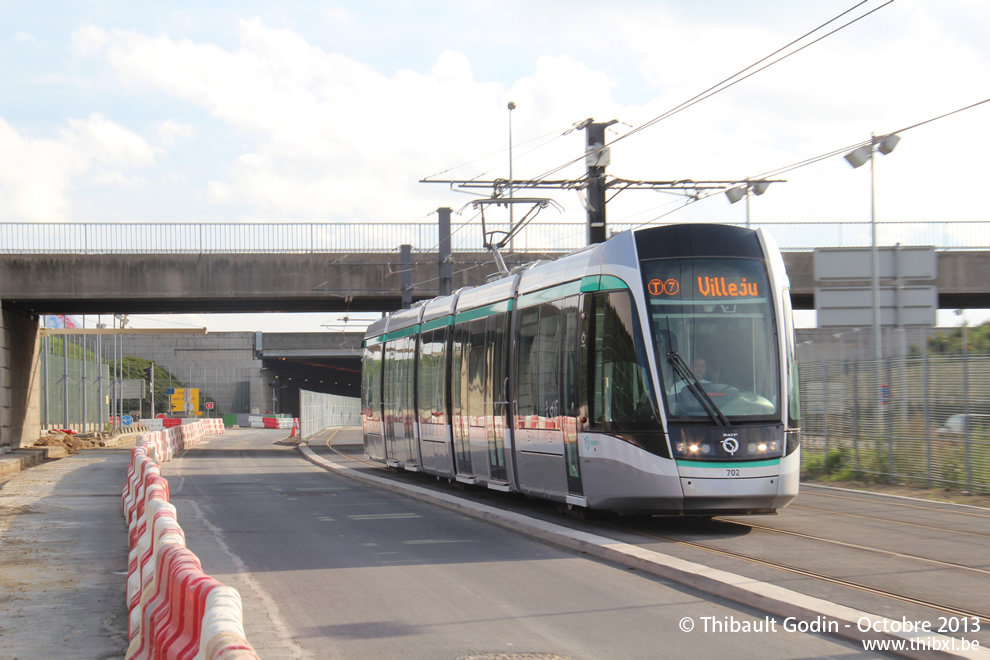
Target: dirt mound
{"points": [[72, 443]]}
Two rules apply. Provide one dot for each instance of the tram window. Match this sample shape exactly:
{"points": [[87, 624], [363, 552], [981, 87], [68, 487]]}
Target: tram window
{"points": [[494, 346], [431, 376], [475, 376], [720, 310], [548, 355], [399, 377], [528, 365], [371, 385], [461, 339], [621, 395], [570, 356]]}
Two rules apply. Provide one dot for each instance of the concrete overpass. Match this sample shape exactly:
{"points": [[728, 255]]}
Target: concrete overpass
{"points": [[156, 283], [36, 284]]}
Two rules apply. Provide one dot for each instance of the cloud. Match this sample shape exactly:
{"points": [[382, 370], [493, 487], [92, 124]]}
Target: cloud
{"points": [[109, 143], [331, 138], [169, 132], [36, 174], [89, 40], [331, 133], [105, 177]]}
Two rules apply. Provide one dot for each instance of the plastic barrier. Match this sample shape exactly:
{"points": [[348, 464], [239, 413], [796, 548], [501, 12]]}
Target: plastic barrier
{"points": [[175, 610]]}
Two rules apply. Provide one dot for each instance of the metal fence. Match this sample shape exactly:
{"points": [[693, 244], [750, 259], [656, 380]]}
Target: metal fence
{"points": [[323, 411], [179, 238], [921, 420], [82, 383], [71, 390]]}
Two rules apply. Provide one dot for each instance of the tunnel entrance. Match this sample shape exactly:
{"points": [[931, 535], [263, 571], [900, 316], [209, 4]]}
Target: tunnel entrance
{"points": [[284, 377]]}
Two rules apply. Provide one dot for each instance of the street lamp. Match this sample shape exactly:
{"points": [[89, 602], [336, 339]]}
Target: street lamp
{"points": [[512, 106], [857, 158], [737, 193]]}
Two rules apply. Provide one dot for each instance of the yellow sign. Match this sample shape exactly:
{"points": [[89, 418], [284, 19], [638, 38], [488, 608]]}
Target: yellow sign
{"points": [[185, 400]]}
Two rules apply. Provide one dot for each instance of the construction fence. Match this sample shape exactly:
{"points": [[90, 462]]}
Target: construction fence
{"points": [[920, 420]]}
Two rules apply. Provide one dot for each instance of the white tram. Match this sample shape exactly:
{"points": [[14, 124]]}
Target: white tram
{"points": [[654, 372]]}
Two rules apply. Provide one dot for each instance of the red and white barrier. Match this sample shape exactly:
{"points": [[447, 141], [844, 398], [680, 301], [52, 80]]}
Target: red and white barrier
{"points": [[175, 610]]}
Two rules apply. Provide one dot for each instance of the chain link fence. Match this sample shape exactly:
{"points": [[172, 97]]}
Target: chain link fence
{"points": [[921, 420], [322, 411]]}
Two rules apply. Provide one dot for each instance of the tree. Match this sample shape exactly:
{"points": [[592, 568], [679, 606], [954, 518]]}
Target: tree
{"points": [[950, 342]]}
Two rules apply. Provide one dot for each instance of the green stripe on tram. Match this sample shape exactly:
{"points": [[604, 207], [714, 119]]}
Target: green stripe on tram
{"points": [[724, 465], [601, 283], [482, 312], [373, 341], [404, 332], [551, 294], [437, 323], [612, 282]]}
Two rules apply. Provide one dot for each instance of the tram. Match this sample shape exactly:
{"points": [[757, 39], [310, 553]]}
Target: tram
{"points": [[652, 373]]}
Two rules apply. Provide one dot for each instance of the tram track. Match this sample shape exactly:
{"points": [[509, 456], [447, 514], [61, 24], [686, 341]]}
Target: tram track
{"points": [[889, 520], [948, 609], [856, 546], [959, 509]]}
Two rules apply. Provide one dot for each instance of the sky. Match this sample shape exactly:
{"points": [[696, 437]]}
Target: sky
{"points": [[303, 111]]}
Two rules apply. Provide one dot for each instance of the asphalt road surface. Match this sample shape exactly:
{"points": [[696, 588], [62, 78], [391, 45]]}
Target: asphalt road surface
{"points": [[331, 568]]}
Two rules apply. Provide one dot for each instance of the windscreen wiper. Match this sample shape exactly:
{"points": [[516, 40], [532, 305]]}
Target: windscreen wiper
{"points": [[697, 390]]}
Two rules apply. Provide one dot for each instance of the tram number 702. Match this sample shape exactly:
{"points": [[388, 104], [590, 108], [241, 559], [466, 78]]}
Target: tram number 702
{"points": [[732, 473]]}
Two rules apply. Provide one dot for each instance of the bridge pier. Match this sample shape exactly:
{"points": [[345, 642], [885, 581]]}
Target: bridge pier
{"points": [[20, 391]]}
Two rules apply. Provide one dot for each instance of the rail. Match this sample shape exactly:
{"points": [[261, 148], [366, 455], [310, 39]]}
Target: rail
{"points": [[207, 238]]}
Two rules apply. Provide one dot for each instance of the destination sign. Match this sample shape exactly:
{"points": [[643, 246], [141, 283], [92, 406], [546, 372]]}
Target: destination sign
{"points": [[707, 287]]}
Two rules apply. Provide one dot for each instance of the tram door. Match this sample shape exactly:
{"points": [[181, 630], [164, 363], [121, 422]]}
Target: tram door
{"points": [[459, 398], [574, 338], [496, 399], [547, 399]]}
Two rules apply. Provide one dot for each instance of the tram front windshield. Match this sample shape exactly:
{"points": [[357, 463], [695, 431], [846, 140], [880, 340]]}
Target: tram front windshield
{"points": [[715, 338]]}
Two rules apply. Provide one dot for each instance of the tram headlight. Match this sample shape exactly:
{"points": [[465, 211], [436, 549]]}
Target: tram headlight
{"points": [[762, 447], [692, 448]]}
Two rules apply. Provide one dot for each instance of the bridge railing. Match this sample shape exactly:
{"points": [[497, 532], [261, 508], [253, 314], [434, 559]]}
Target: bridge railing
{"points": [[206, 238]]}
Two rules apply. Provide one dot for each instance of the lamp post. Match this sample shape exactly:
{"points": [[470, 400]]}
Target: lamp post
{"points": [[755, 187], [857, 158], [512, 224]]}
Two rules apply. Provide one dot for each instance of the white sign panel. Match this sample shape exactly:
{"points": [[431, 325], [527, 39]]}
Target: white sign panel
{"points": [[910, 263], [852, 307]]}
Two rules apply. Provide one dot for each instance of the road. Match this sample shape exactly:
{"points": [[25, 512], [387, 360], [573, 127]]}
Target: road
{"points": [[331, 568]]}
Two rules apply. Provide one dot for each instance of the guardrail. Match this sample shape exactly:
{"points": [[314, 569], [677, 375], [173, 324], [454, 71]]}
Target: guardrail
{"points": [[179, 238]]}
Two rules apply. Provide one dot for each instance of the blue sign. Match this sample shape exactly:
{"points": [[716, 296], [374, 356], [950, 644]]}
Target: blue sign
{"points": [[170, 391], [127, 420]]}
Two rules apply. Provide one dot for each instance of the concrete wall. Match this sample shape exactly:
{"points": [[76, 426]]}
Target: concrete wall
{"points": [[20, 422], [222, 365]]}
